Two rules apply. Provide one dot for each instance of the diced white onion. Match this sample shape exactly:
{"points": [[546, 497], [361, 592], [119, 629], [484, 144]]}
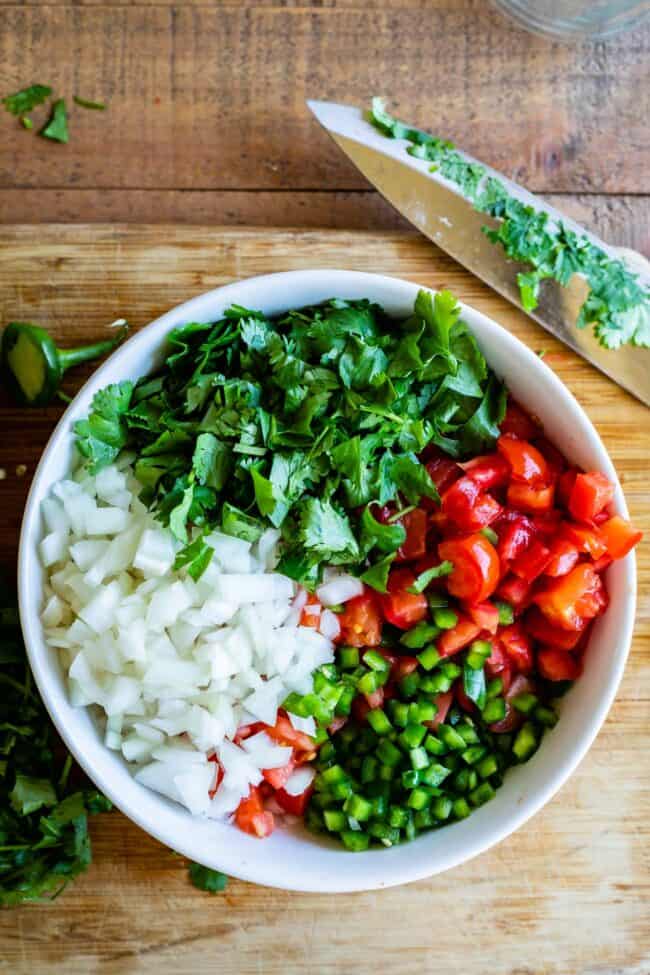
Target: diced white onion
{"points": [[176, 665], [339, 590]]}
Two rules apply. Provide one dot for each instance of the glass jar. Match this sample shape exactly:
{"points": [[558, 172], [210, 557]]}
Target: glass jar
{"points": [[576, 18]]}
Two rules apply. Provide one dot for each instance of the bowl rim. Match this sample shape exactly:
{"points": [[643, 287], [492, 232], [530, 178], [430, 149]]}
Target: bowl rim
{"points": [[251, 869]]}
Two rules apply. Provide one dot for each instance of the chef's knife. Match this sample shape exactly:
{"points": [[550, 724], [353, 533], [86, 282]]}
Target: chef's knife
{"points": [[441, 211]]}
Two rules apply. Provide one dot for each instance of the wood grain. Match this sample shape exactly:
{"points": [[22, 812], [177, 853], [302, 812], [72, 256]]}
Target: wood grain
{"points": [[620, 220], [207, 97], [569, 895]]}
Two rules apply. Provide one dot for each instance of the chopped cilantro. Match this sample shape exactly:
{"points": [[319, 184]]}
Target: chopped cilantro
{"points": [[104, 433], [57, 126], [26, 122], [84, 103], [206, 879], [25, 100], [617, 304], [302, 423], [44, 841], [195, 557]]}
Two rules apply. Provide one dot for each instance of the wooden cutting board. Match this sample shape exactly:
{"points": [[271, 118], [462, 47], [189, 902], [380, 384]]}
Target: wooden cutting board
{"points": [[567, 894]]}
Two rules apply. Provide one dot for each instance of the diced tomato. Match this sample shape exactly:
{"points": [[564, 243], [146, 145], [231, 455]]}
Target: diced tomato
{"points": [[551, 454], [468, 507], [515, 534], [285, 733], [488, 471], [564, 555], [557, 664], [251, 816], [601, 517], [518, 422], [476, 567], [402, 608], [619, 536], [246, 730], [517, 646], [540, 629], [360, 621], [588, 540], [415, 543], [533, 499], [360, 708], [498, 665], [531, 563], [515, 591], [403, 666], [602, 563], [547, 523], [513, 718], [485, 615], [277, 777], [375, 699], [311, 619], [442, 703], [590, 494], [459, 636], [565, 486], [443, 471], [218, 776], [568, 600], [337, 723], [527, 464], [295, 805]]}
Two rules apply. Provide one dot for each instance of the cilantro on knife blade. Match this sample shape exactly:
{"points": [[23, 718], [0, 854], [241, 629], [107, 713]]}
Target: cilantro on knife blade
{"points": [[617, 304], [302, 423]]}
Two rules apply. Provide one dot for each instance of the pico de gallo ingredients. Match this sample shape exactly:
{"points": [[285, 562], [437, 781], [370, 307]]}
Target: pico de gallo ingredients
{"points": [[358, 579]]}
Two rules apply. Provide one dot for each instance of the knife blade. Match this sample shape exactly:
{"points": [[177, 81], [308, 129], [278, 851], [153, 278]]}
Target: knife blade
{"points": [[441, 211]]}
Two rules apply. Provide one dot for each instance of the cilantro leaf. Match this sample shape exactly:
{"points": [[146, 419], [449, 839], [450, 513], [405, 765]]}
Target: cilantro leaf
{"points": [[269, 498], [179, 514], [326, 531], [238, 523], [413, 479], [435, 572], [57, 126], [23, 101], [376, 575], [103, 434], [29, 794], [195, 557], [206, 879]]}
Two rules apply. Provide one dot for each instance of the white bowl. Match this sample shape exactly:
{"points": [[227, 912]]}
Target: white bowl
{"points": [[297, 860]]}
